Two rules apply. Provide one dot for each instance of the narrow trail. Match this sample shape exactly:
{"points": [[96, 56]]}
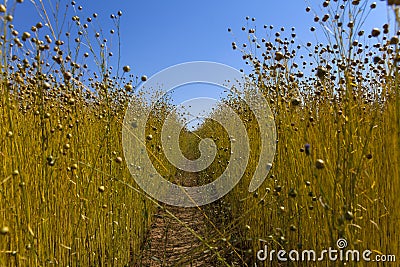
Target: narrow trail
{"points": [[170, 243]]}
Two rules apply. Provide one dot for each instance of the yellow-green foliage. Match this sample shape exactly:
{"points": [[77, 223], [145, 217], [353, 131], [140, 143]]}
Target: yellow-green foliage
{"points": [[66, 194], [336, 172], [303, 204], [67, 203], [67, 197]]}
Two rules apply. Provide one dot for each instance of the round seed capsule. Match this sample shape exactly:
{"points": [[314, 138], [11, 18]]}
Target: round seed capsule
{"points": [[295, 101], [375, 32], [279, 56], [126, 68], [4, 230], [320, 164], [394, 40], [349, 216]]}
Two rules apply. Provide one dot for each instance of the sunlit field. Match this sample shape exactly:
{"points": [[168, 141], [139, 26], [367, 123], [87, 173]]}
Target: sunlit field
{"points": [[67, 197]]}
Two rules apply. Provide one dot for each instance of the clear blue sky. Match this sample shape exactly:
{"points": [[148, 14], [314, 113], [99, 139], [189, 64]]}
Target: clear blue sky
{"points": [[159, 34]]}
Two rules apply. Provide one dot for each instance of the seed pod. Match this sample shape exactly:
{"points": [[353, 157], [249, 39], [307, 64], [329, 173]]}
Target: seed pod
{"points": [[128, 87], [279, 56], [9, 18], [321, 72], [394, 40], [67, 75], [377, 59], [320, 164], [4, 230], [26, 35], [295, 101], [375, 32], [349, 216], [126, 68], [46, 85], [350, 24]]}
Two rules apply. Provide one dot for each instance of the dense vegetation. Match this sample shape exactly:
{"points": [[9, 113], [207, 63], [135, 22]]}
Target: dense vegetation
{"points": [[67, 197]]}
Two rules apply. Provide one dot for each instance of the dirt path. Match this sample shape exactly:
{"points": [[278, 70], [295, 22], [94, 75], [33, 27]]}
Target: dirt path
{"points": [[170, 243]]}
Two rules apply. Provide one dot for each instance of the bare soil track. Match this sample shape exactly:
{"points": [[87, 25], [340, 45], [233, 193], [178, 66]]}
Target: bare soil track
{"points": [[170, 242]]}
